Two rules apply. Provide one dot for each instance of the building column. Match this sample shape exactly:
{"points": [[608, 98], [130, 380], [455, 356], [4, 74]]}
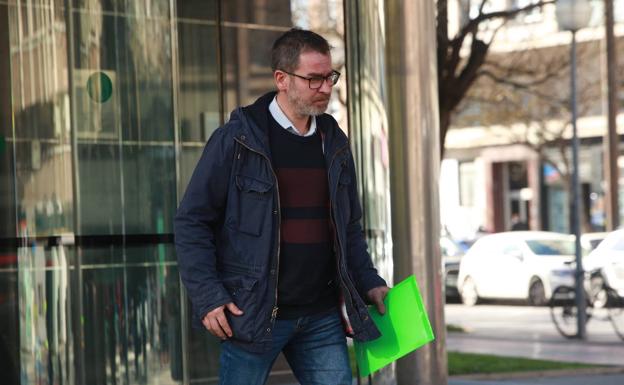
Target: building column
{"points": [[414, 173]]}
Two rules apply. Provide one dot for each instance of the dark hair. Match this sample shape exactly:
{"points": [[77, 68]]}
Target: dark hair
{"points": [[287, 48]]}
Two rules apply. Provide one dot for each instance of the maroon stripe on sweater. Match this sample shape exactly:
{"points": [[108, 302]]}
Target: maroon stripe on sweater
{"points": [[305, 230], [307, 187]]}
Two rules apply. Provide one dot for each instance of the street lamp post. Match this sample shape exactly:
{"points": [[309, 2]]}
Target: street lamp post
{"points": [[573, 15]]}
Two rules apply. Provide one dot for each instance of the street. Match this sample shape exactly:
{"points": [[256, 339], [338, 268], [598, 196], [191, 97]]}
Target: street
{"points": [[525, 331]]}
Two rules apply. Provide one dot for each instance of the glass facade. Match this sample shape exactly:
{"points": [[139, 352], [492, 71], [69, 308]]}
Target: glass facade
{"points": [[105, 106]]}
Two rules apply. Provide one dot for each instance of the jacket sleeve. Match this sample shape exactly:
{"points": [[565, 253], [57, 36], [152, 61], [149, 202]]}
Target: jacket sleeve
{"points": [[359, 261], [198, 214]]}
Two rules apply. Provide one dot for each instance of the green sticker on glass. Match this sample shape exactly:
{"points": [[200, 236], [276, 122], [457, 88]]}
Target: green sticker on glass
{"points": [[99, 87]]}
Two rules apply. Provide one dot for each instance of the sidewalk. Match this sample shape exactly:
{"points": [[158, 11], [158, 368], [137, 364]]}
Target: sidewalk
{"points": [[523, 331], [528, 332]]}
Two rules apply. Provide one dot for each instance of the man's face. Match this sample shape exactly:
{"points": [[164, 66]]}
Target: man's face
{"points": [[303, 99]]}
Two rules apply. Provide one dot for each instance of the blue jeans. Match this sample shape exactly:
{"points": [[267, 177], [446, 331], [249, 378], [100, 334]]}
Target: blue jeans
{"points": [[314, 346]]}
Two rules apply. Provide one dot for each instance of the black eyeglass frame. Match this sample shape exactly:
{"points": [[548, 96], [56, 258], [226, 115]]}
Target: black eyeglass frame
{"points": [[334, 75]]}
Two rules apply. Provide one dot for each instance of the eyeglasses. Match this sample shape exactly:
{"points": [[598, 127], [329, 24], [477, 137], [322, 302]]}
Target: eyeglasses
{"points": [[316, 82]]}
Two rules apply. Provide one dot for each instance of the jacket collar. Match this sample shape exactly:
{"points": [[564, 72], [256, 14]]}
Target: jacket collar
{"points": [[254, 130]]}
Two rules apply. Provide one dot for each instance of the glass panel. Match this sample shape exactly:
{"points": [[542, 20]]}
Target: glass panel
{"points": [[36, 193], [131, 317], [46, 334], [112, 314], [9, 311], [205, 10], [198, 116], [369, 134], [247, 65], [124, 123], [263, 12], [7, 198], [123, 93], [140, 8], [326, 18], [9, 314], [198, 92], [370, 129], [40, 107]]}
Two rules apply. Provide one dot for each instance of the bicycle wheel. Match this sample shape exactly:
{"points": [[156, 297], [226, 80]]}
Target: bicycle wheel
{"points": [[563, 311], [615, 309]]}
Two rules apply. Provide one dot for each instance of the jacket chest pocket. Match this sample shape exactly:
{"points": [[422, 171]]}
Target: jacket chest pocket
{"points": [[254, 203]]}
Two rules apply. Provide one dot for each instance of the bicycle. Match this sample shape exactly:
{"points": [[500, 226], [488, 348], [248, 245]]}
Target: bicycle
{"points": [[603, 303]]}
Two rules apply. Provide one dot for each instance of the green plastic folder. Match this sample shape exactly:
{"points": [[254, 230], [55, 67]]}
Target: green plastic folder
{"points": [[404, 328]]}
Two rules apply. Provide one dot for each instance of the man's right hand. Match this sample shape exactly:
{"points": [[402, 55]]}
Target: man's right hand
{"points": [[217, 324]]}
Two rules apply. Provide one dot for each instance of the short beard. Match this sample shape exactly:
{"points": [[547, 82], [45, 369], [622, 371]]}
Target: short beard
{"points": [[302, 108]]}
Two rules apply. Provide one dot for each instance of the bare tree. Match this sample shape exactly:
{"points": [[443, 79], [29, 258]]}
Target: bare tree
{"points": [[523, 97], [528, 93], [461, 57]]}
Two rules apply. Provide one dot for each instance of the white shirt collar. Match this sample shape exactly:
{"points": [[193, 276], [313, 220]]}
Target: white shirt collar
{"points": [[282, 119]]}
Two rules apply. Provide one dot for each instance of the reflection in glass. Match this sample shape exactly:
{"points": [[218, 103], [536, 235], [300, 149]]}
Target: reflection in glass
{"points": [[126, 157], [45, 332], [199, 115], [198, 91], [41, 135], [131, 318], [369, 129], [370, 124], [247, 65], [9, 314], [88, 147], [204, 10], [261, 12]]}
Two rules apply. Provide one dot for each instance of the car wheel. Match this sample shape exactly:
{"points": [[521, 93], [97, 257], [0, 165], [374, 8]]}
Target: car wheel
{"points": [[598, 292], [537, 294], [469, 294]]}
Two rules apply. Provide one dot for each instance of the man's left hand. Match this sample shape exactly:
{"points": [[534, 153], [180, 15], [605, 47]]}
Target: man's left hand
{"points": [[376, 296]]}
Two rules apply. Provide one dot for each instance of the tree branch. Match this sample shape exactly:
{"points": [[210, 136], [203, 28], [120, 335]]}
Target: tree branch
{"points": [[507, 14]]}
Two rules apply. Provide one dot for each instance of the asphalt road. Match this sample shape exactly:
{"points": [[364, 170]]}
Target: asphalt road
{"points": [[525, 331]]}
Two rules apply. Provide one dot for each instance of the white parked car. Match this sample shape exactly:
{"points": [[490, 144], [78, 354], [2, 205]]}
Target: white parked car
{"points": [[607, 259], [526, 265], [589, 241]]}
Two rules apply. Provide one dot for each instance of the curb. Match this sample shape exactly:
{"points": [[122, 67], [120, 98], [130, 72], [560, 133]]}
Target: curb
{"points": [[541, 374]]}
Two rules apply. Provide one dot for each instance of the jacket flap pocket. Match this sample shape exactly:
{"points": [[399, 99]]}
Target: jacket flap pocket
{"points": [[247, 184], [245, 283], [248, 283]]}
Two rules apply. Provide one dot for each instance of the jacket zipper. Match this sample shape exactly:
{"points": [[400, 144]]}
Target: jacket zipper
{"points": [[331, 217], [279, 228]]}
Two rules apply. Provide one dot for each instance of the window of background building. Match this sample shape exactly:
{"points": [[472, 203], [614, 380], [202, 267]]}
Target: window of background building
{"points": [[467, 182]]}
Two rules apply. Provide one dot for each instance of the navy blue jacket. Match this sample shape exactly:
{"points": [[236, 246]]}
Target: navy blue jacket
{"points": [[227, 228]]}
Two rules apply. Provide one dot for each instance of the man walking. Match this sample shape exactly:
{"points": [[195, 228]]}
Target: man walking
{"points": [[268, 233]]}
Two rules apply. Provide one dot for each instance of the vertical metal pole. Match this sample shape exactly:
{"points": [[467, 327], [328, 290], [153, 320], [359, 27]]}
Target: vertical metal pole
{"points": [[580, 292], [611, 138]]}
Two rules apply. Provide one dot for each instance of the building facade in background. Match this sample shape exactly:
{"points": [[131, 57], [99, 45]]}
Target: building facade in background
{"points": [[509, 151], [105, 107]]}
